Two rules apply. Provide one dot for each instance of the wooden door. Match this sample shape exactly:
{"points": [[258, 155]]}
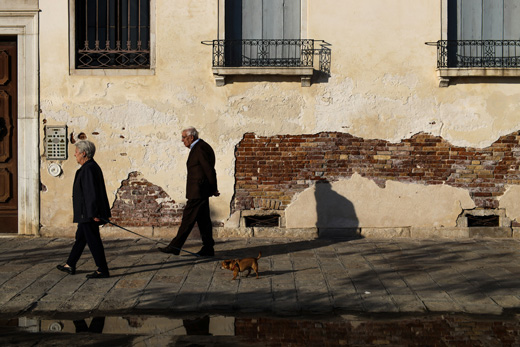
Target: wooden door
{"points": [[8, 138]]}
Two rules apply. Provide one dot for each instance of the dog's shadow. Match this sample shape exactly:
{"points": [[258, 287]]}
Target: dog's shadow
{"points": [[273, 273], [265, 274]]}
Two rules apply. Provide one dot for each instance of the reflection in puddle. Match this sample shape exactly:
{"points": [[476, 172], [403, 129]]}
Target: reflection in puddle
{"points": [[119, 331], [434, 330], [133, 325]]}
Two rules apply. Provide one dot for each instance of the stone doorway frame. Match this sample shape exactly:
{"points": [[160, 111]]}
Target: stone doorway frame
{"points": [[24, 25]]}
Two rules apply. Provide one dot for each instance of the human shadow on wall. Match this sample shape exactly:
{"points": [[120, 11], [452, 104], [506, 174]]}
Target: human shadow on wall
{"points": [[336, 215], [336, 221]]}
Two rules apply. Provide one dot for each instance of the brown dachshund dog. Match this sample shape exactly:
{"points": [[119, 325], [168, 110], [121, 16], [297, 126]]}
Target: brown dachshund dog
{"points": [[239, 265]]}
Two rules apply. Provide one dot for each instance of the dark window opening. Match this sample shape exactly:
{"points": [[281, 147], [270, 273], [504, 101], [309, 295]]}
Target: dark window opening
{"points": [[112, 34], [263, 34], [263, 221], [483, 221]]}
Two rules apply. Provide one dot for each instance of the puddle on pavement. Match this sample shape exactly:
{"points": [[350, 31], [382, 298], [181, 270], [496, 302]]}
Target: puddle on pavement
{"points": [[216, 330]]}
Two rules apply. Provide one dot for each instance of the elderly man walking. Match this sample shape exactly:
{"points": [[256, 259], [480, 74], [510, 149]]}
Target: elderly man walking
{"points": [[201, 184]]}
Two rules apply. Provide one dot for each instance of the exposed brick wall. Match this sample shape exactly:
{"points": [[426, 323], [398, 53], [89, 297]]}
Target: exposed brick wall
{"points": [[142, 203], [276, 168]]}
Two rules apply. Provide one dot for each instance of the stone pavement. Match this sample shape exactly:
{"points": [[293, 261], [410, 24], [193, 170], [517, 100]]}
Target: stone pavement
{"points": [[323, 276]]}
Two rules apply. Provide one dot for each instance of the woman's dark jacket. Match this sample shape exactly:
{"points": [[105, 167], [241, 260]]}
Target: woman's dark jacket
{"points": [[89, 195]]}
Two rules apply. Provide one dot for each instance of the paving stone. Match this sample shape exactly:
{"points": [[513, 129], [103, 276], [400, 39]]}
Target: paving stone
{"points": [[19, 303], [483, 309], [371, 276], [81, 303], [442, 306], [506, 301], [118, 301], [348, 302], [379, 304], [408, 303], [68, 285], [46, 307], [188, 301], [132, 283], [154, 303]]}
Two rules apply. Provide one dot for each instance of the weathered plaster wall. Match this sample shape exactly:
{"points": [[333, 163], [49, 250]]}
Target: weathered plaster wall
{"points": [[382, 86], [384, 77]]}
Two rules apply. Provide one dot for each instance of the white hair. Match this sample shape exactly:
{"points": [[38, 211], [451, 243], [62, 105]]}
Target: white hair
{"points": [[191, 131], [87, 147]]}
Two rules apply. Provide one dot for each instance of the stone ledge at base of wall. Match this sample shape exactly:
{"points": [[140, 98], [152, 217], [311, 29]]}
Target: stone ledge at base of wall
{"points": [[300, 233], [266, 232], [462, 232], [421, 233], [58, 231]]}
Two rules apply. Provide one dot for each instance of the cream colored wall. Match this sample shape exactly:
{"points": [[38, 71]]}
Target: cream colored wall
{"points": [[383, 85], [359, 203]]}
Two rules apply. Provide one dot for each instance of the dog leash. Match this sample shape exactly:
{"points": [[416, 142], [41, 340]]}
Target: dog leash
{"points": [[145, 237]]}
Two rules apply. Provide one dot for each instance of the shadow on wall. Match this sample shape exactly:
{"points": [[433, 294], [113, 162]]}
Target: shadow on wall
{"points": [[336, 215]]}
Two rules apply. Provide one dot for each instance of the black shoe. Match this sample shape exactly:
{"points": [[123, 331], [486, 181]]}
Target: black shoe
{"points": [[174, 251], [206, 252], [97, 274], [67, 269]]}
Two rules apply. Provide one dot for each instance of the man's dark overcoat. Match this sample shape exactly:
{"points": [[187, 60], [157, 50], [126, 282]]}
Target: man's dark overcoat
{"points": [[201, 182]]}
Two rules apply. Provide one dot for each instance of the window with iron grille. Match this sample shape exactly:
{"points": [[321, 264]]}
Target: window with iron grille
{"points": [[112, 34]]}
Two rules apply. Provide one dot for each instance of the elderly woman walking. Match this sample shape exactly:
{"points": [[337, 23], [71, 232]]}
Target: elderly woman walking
{"points": [[91, 209]]}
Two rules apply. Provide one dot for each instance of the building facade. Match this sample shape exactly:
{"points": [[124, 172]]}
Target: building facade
{"points": [[394, 118]]}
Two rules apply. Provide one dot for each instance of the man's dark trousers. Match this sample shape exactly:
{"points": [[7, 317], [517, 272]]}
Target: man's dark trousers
{"points": [[88, 233], [196, 210]]}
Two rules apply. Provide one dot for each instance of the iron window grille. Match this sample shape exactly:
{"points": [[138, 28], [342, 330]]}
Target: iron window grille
{"points": [[112, 34], [478, 53], [271, 53]]}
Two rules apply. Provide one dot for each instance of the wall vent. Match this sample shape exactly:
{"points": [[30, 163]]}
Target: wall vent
{"points": [[484, 218], [265, 221], [483, 221]]}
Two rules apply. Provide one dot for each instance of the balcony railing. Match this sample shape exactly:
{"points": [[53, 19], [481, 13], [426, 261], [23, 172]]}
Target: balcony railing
{"points": [[478, 54], [261, 53]]}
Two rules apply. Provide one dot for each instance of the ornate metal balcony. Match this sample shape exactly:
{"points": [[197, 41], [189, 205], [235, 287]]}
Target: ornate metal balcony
{"points": [[477, 58], [478, 54], [262, 56]]}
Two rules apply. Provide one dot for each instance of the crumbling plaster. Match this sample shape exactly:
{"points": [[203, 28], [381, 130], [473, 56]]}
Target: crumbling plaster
{"points": [[382, 85], [510, 202]]}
